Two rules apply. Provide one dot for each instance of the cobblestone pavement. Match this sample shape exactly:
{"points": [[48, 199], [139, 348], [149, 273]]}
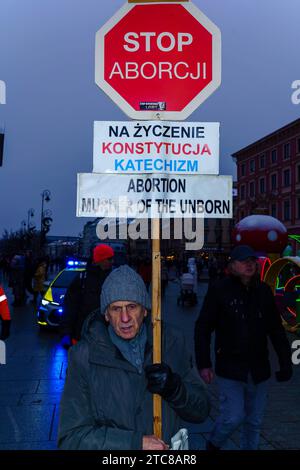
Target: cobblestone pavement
{"points": [[32, 381]]}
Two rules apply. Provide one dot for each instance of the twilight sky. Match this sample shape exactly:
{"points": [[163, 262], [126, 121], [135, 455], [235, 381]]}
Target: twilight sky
{"points": [[47, 62]]}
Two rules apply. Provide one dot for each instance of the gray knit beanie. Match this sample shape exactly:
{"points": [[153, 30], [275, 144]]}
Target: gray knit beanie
{"points": [[124, 283]]}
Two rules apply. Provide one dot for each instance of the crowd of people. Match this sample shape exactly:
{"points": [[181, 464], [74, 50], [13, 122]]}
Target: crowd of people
{"points": [[24, 275], [107, 399]]}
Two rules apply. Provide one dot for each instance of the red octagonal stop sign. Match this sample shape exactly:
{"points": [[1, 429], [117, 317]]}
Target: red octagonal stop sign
{"points": [[158, 58]]}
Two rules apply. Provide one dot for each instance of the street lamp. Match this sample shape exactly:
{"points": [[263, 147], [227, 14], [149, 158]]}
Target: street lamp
{"points": [[30, 214], [46, 219], [45, 198], [23, 226]]}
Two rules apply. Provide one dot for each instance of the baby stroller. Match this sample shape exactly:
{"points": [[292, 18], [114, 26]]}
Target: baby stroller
{"points": [[187, 293]]}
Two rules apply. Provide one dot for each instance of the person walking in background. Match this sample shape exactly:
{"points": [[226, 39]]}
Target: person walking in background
{"points": [[17, 270], [83, 295], [164, 277], [4, 315], [5, 267], [212, 270], [145, 271], [28, 273], [241, 310], [39, 277]]}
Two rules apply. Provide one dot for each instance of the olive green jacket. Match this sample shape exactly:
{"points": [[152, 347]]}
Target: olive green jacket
{"points": [[106, 404]]}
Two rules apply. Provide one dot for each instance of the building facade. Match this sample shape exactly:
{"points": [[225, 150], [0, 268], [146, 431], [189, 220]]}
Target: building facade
{"points": [[268, 177]]}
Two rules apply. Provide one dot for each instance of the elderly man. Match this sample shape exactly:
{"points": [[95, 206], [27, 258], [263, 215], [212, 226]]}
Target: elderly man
{"points": [[241, 310], [107, 400]]}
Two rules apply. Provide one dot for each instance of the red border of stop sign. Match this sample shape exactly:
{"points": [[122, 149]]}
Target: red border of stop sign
{"points": [[158, 60]]}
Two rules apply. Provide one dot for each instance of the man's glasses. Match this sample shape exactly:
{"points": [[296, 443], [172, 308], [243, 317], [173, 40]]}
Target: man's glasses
{"points": [[117, 309]]}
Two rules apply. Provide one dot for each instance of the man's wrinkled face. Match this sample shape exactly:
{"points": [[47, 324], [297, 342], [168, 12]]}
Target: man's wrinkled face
{"points": [[246, 268], [125, 318]]}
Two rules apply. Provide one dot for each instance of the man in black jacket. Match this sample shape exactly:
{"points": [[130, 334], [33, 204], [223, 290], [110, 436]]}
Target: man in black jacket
{"points": [[83, 295], [241, 310]]}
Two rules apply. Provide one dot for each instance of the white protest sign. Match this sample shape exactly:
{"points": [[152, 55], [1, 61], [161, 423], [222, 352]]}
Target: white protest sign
{"points": [[156, 147], [151, 196]]}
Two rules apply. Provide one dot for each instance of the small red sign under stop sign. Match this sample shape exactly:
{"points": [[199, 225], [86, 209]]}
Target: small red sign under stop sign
{"points": [[158, 58]]}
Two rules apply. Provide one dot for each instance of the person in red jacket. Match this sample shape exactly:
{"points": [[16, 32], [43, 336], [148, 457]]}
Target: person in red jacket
{"points": [[4, 315]]}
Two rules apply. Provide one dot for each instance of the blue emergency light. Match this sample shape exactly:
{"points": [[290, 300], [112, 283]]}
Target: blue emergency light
{"points": [[76, 263]]}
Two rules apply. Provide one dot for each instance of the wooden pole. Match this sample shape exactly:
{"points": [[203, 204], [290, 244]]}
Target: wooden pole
{"points": [[156, 320], [156, 288]]}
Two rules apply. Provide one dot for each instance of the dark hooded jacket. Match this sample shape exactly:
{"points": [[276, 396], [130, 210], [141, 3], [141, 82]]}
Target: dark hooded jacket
{"points": [[105, 403], [242, 318], [82, 298]]}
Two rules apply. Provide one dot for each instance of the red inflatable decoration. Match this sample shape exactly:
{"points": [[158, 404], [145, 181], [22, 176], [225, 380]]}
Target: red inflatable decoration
{"points": [[262, 232]]}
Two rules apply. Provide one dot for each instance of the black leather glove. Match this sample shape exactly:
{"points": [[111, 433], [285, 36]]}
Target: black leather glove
{"points": [[5, 329], [283, 375], [163, 381]]}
